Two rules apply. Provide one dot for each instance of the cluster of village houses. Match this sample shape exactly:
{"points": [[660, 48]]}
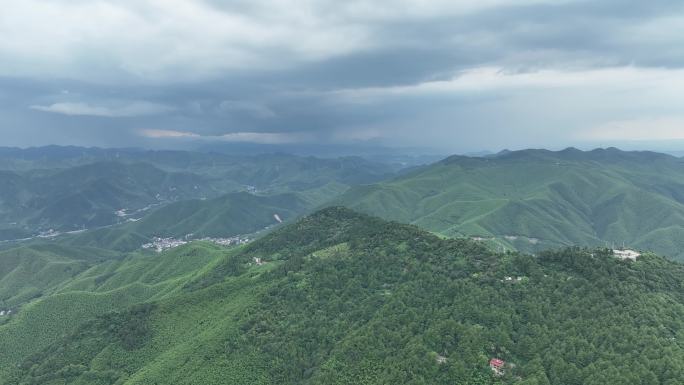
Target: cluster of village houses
{"points": [[160, 244], [227, 241]]}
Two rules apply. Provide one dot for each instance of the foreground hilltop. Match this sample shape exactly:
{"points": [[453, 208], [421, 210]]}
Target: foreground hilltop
{"points": [[532, 200], [343, 298]]}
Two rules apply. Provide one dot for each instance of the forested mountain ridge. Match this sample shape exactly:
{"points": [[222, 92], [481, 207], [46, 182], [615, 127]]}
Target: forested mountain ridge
{"points": [[342, 298], [537, 199], [72, 188]]}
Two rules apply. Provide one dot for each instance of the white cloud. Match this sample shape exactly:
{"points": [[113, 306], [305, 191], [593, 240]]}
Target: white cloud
{"points": [[540, 108], [188, 39], [207, 55], [156, 133], [248, 137], [495, 79], [642, 129], [132, 109], [665, 30], [155, 39], [267, 137], [393, 10]]}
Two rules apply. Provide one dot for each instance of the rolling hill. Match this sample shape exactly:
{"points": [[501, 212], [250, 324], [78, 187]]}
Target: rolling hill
{"points": [[342, 298], [62, 287], [226, 216], [72, 188], [90, 195], [29, 272], [535, 199]]}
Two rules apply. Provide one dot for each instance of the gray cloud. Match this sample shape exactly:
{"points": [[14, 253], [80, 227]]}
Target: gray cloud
{"points": [[252, 109], [457, 74]]}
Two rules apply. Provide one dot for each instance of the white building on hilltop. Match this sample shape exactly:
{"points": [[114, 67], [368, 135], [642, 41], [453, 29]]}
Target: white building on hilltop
{"points": [[625, 254]]}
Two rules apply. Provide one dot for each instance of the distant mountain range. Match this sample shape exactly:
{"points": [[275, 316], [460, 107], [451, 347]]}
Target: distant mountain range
{"points": [[49, 156], [71, 188], [89, 195], [535, 199], [526, 200]]}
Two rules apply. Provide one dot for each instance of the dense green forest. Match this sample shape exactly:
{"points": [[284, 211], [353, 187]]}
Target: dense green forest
{"points": [[533, 200], [343, 298]]}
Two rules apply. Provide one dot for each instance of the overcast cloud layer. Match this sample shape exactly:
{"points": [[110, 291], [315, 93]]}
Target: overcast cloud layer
{"points": [[449, 74]]}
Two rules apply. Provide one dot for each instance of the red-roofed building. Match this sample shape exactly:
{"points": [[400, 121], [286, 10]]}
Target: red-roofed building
{"points": [[496, 363], [497, 366]]}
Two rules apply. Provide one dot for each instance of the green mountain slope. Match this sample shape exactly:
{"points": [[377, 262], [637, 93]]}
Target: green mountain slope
{"points": [[343, 298], [73, 290], [32, 271], [223, 217], [536, 199], [237, 213]]}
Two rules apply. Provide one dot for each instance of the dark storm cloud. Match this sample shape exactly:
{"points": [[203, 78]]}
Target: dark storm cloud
{"points": [[444, 73]]}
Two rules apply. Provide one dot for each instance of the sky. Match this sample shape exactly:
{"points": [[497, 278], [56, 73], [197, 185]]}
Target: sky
{"points": [[449, 75]]}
